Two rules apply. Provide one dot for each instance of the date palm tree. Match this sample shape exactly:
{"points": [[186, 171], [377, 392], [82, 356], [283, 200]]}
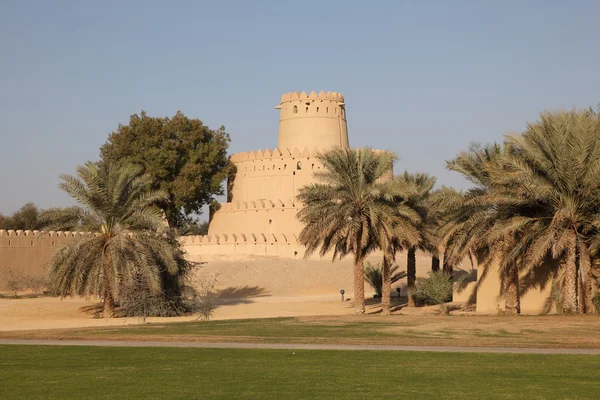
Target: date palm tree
{"points": [[351, 209], [399, 228], [422, 185], [553, 181], [475, 221], [124, 241]]}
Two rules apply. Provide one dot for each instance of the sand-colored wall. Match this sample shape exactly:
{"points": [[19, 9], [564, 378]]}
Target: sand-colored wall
{"points": [[312, 120], [273, 174], [534, 291], [28, 251]]}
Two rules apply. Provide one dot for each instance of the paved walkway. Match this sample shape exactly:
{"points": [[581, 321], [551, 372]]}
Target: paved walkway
{"points": [[207, 345]]}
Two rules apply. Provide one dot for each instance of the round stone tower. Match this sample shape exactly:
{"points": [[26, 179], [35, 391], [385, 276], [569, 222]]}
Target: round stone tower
{"points": [[312, 121]]}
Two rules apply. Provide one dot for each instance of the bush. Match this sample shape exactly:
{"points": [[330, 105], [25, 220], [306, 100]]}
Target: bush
{"points": [[16, 281], [437, 289], [374, 276], [137, 300], [206, 298]]}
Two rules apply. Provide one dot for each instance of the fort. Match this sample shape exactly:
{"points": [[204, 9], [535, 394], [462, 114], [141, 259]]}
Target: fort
{"points": [[262, 198], [258, 221]]}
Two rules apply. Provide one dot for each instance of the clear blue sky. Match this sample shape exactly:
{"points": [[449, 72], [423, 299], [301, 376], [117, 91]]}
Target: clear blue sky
{"points": [[421, 78]]}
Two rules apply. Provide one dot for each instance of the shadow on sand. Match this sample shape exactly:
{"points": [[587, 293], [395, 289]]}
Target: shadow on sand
{"points": [[396, 304], [240, 294]]}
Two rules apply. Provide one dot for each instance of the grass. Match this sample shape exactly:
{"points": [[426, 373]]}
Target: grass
{"points": [[46, 372], [522, 331]]}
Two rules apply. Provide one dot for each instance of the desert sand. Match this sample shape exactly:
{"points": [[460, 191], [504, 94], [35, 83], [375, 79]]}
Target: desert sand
{"points": [[248, 287]]}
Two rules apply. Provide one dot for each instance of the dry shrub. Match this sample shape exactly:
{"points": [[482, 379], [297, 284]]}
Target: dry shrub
{"points": [[15, 281]]}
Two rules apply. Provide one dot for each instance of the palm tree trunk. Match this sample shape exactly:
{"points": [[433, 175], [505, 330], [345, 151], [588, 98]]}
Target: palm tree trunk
{"points": [[108, 308], [449, 270], [446, 266], [585, 276], [511, 289], [359, 283], [435, 264], [386, 286], [411, 277], [570, 269]]}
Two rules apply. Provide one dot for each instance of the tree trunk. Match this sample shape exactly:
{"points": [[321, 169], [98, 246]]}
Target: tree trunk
{"points": [[386, 286], [359, 283], [449, 270], [435, 264], [585, 276], [108, 307], [569, 266], [511, 289], [411, 277]]}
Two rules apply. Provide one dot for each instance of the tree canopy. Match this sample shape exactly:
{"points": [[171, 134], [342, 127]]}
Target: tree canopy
{"points": [[182, 156], [27, 218]]}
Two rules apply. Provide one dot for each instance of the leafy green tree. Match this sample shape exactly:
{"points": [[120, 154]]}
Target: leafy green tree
{"points": [[126, 242], [195, 228], [183, 157], [26, 218], [349, 210]]}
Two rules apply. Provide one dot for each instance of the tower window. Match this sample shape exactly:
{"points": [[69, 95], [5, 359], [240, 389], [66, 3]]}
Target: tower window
{"points": [[299, 165], [306, 109], [317, 109], [295, 109]]}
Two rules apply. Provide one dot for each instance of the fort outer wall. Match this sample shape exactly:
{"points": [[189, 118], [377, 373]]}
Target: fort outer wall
{"points": [[27, 252]]}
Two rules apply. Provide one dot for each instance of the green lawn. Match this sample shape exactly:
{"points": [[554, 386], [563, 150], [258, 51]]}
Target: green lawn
{"points": [[46, 372], [493, 331]]}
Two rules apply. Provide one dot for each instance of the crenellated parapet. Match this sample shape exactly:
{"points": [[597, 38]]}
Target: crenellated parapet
{"points": [[333, 96], [260, 204], [54, 234], [269, 154], [238, 238]]}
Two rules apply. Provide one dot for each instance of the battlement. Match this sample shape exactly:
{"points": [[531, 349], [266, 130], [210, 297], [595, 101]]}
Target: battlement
{"points": [[274, 153], [238, 238], [312, 96], [56, 234], [257, 205]]}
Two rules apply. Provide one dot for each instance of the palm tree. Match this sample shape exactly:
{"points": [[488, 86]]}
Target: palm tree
{"points": [[125, 242], [405, 221], [374, 276], [553, 181], [350, 209], [422, 185], [474, 222]]}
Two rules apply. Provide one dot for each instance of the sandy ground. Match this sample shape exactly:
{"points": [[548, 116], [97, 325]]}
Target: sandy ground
{"points": [[50, 312], [248, 287]]}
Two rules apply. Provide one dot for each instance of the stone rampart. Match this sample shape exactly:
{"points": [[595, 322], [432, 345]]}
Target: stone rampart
{"points": [[28, 251]]}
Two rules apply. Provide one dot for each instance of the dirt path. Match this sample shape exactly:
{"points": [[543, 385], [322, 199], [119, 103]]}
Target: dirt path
{"points": [[445, 349]]}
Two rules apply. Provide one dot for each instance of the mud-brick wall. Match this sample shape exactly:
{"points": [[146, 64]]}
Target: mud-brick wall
{"points": [[29, 251]]}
